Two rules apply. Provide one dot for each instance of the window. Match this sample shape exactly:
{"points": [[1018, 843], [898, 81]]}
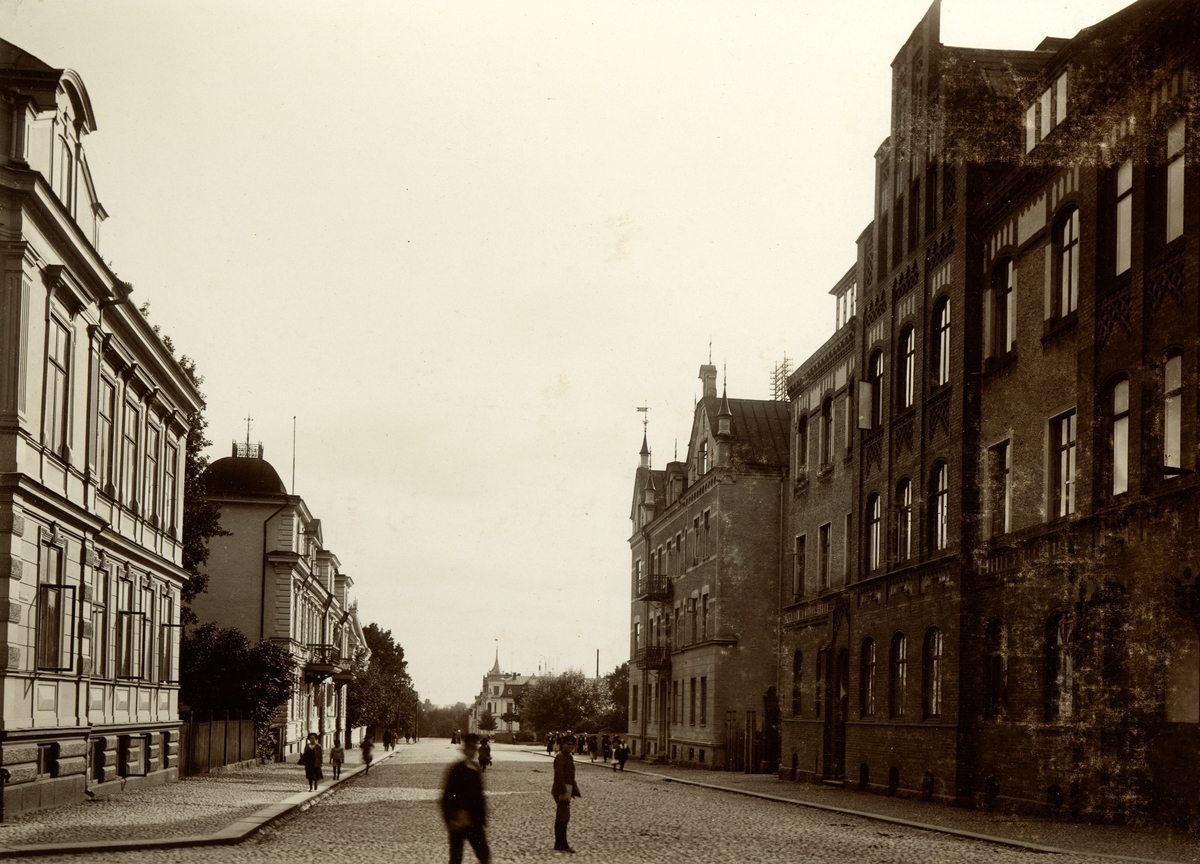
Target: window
{"points": [[866, 695], [702, 458], [1172, 410], [941, 342], [1068, 263], [1119, 438], [994, 669], [846, 547], [906, 367], [827, 432], [874, 535], [904, 520], [129, 453], [100, 601], [822, 659], [1062, 431], [939, 507], [704, 614], [633, 704], [695, 616], [932, 673], [1174, 221], [1003, 317], [823, 564], [899, 675], [797, 682], [55, 614], [1123, 239], [105, 414], [999, 489], [798, 562], [709, 541], [150, 474], [168, 642], [876, 389], [57, 390], [1060, 667], [637, 638], [802, 444], [675, 718], [697, 548], [692, 702], [129, 632], [703, 706]]}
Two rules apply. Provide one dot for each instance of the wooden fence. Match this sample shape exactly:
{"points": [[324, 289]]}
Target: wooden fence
{"points": [[208, 744]]}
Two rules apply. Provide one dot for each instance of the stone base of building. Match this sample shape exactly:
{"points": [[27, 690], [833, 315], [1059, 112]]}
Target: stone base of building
{"points": [[59, 791]]}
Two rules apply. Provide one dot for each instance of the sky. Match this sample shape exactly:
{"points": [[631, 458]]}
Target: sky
{"points": [[460, 242]]}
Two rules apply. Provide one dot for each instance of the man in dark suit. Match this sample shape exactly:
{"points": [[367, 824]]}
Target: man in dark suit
{"points": [[463, 807], [563, 790]]}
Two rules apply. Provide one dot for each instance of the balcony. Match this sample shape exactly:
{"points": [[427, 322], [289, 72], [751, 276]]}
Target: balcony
{"points": [[653, 657], [654, 587], [323, 661]]}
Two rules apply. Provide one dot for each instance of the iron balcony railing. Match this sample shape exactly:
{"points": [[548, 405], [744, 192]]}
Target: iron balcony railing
{"points": [[656, 586], [323, 657], [653, 657]]}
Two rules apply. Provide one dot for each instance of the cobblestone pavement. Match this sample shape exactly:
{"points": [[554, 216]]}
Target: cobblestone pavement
{"points": [[391, 816]]}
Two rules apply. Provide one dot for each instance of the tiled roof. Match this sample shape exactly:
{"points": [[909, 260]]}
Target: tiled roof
{"points": [[760, 429]]}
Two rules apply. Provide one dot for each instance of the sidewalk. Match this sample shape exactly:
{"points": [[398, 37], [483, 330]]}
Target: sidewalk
{"points": [[218, 808], [1030, 832]]}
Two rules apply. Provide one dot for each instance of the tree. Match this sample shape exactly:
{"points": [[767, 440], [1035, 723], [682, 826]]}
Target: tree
{"points": [[487, 721], [383, 695], [566, 701], [220, 670], [617, 681], [438, 721]]}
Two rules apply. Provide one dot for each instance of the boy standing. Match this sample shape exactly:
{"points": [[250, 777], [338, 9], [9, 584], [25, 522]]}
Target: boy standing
{"points": [[563, 790], [463, 807]]}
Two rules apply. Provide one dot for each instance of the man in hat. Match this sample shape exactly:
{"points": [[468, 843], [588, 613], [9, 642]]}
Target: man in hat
{"points": [[463, 807], [563, 790]]}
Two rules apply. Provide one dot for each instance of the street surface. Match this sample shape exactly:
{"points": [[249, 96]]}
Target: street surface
{"points": [[391, 817]]}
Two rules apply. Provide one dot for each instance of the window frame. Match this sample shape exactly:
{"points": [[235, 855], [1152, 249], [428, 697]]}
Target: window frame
{"points": [[1118, 435], [1003, 330], [824, 554], [941, 342], [939, 506], [1063, 464], [105, 427], [874, 532], [933, 657], [898, 675], [797, 684], [1067, 249], [866, 686], [904, 511], [57, 421], [906, 368], [1122, 241], [999, 467], [827, 432], [1172, 413]]}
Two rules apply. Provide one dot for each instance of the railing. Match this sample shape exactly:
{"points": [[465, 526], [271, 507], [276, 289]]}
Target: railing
{"points": [[656, 586], [323, 656], [653, 657]]}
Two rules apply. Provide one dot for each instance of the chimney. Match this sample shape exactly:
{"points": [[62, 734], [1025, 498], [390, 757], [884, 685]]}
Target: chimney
{"points": [[708, 374]]}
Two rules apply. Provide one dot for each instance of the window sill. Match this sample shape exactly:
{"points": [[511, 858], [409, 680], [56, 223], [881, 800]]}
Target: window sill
{"points": [[825, 472], [801, 484], [994, 365], [1055, 327]]}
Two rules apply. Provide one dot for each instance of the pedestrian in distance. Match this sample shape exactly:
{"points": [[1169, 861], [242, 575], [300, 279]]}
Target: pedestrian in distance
{"points": [[311, 759], [606, 747], [592, 748], [337, 755], [622, 753], [368, 751], [550, 739], [463, 807], [563, 790], [387, 739], [485, 753]]}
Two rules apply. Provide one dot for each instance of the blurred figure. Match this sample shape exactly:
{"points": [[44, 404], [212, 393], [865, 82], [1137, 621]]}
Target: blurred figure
{"points": [[463, 807], [563, 790], [337, 755]]}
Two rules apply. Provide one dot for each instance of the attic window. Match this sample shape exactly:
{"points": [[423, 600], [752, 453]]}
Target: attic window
{"points": [[1044, 115]]}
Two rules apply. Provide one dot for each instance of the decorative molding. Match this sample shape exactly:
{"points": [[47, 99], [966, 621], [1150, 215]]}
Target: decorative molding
{"points": [[12, 567], [902, 435], [939, 250], [1165, 282], [937, 414], [906, 281], [873, 451], [1116, 311], [875, 309]]}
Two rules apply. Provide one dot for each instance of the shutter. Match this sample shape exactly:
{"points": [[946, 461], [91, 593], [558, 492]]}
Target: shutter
{"points": [[864, 404]]}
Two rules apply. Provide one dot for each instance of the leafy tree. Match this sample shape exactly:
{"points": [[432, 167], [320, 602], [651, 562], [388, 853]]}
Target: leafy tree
{"points": [[383, 695], [487, 721], [439, 721], [566, 701], [617, 681], [220, 670]]}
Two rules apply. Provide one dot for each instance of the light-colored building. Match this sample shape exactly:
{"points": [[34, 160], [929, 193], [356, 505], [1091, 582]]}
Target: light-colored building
{"points": [[498, 697], [272, 577], [93, 425]]}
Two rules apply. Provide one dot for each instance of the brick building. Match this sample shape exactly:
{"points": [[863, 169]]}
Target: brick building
{"points": [[706, 570], [92, 445]]}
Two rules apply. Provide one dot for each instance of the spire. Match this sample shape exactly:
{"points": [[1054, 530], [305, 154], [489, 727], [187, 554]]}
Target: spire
{"points": [[496, 665], [724, 416], [645, 454]]}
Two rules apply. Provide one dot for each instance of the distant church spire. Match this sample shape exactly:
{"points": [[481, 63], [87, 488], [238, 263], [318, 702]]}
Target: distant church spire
{"points": [[496, 665]]}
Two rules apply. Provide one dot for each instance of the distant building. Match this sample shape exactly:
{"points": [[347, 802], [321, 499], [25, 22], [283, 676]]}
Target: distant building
{"points": [[93, 425], [705, 574], [272, 577], [498, 697]]}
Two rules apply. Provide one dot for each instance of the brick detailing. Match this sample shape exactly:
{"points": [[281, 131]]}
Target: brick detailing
{"points": [[10, 610], [1165, 282], [902, 435], [906, 281], [939, 250], [875, 309], [1116, 310], [873, 452], [11, 566], [937, 415]]}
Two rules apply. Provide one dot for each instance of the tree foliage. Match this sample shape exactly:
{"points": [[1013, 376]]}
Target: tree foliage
{"points": [[617, 681], [573, 701], [221, 670], [487, 721], [438, 721], [382, 694]]}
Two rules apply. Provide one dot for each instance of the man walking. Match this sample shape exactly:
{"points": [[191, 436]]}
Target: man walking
{"points": [[563, 790], [463, 807]]}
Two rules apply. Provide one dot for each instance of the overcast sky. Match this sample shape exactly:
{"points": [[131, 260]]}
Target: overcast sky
{"points": [[460, 242]]}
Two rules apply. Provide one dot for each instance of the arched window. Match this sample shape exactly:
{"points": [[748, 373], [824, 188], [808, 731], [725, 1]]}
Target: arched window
{"points": [[941, 342], [797, 681], [702, 458], [866, 694], [1068, 263], [906, 368], [994, 669], [802, 443], [1172, 410], [1060, 666], [1003, 319], [875, 373], [827, 432], [874, 533], [904, 520], [939, 506], [898, 676], [1118, 436], [931, 678]]}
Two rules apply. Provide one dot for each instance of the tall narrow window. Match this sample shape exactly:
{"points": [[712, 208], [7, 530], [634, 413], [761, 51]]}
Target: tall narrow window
{"points": [[129, 453], [932, 673], [823, 551], [710, 542], [1123, 240], [692, 702], [1000, 488], [994, 654], [1175, 136], [939, 507], [105, 415], [941, 342], [797, 682], [1002, 309], [802, 444], [874, 533], [100, 635], [827, 432], [704, 616], [906, 367], [150, 477], [1060, 667], [876, 379], [57, 390], [633, 703], [1068, 283], [799, 558], [703, 700], [1062, 430], [867, 679], [899, 675], [847, 541], [1172, 410], [702, 457], [55, 613], [1120, 437], [904, 520]]}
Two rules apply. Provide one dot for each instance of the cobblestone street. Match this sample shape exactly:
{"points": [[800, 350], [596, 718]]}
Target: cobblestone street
{"points": [[390, 816]]}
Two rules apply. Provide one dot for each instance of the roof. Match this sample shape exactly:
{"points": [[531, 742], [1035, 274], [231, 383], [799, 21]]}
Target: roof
{"points": [[239, 475], [759, 427]]}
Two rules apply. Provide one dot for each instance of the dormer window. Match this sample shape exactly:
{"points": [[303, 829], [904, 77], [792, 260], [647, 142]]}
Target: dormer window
{"points": [[702, 458], [1044, 115]]}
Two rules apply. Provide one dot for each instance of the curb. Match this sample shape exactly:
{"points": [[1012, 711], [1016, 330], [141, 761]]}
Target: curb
{"points": [[894, 820], [231, 834]]}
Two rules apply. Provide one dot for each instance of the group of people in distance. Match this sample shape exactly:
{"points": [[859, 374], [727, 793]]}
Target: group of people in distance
{"points": [[595, 745], [313, 757]]}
